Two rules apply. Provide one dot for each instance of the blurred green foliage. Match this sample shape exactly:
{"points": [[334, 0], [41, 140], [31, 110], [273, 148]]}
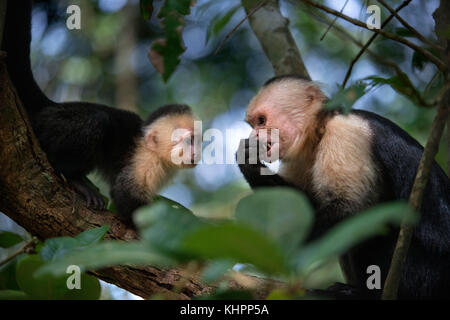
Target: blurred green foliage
{"points": [[18, 279], [268, 234]]}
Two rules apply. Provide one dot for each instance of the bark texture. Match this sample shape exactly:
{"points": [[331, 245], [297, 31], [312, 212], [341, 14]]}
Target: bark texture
{"points": [[272, 31]]}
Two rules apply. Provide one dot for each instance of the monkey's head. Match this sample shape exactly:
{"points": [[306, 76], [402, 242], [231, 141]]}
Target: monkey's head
{"points": [[169, 133], [289, 104]]}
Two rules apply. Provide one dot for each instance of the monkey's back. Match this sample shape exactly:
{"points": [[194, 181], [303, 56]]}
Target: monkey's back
{"points": [[427, 268], [79, 137]]}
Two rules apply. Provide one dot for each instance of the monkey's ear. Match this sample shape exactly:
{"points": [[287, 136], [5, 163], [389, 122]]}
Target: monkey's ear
{"points": [[151, 139], [314, 93]]}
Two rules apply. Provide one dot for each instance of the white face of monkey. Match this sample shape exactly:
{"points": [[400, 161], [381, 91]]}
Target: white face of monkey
{"points": [[287, 105], [174, 139]]}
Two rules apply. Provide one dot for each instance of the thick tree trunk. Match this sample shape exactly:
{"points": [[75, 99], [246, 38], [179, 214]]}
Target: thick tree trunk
{"points": [[272, 31]]}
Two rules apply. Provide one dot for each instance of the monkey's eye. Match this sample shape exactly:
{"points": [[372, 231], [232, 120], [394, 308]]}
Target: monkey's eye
{"points": [[261, 120]]}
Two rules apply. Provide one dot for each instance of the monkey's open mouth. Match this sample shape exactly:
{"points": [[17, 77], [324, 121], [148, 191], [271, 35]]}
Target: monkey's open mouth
{"points": [[268, 147]]}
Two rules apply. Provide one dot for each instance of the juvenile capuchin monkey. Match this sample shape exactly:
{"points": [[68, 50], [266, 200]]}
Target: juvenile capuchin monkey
{"points": [[345, 164], [134, 156]]}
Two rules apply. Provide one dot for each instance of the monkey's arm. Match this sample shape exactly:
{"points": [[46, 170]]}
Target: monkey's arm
{"points": [[125, 196], [125, 203]]}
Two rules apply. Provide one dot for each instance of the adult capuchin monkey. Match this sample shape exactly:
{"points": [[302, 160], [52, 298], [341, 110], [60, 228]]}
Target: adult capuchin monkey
{"points": [[134, 156], [345, 164]]}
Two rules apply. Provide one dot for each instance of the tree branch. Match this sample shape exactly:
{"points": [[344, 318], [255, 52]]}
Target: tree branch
{"points": [[333, 22], [369, 42], [28, 247], [272, 31], [409, 27], [248, 15], [415, 200], [442, 23], [441, 66], [375, 57]]}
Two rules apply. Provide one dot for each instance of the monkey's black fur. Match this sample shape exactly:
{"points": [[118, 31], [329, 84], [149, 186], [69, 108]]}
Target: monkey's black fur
{"points": [[77, 137], [397, 156]]}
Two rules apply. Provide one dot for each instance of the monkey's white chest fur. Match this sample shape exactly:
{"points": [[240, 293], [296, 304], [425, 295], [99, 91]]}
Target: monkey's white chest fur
{"points": [[343, 168]]}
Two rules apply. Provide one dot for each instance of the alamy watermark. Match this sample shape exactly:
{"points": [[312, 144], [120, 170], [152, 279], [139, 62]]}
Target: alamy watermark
{"points": [[74, 280], [188, 146]]}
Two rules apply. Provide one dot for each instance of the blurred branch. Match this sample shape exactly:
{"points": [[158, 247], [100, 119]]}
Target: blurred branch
{"points": [[375, 57], [272, 31], [369, 42], [28, 247], [409, 27], [126, 93], [262, 3], [441, 66], [415, 199], [333, 22]]}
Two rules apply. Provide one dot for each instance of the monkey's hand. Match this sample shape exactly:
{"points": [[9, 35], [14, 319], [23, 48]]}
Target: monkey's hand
{"points": [[248, 154], [255, 172], [94, 200]]}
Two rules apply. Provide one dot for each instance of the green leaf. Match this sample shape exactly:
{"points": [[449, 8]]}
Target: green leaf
{"points": [[164, 53], [44, 287], [90, 289], [146, 7], [9, 239], [238, 243], [181, 7], [346, 98], [400, 83], [8, 276], [13, 295], [48, 286], [55, 248], [164, 224], [419, 60], [282, 214], [92, 236], [354, 230], [220, 21], [403, 32], [216, 269], [106, 254]]}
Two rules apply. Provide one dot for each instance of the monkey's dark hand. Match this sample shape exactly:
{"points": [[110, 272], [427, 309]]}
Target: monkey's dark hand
{"points": [[94, 200], [248, 154], [257, 174]]}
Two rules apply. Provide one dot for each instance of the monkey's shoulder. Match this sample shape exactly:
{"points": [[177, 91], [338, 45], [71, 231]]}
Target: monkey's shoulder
{"points": [[343, 165]]}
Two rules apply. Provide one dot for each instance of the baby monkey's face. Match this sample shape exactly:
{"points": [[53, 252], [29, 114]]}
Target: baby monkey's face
{"points": [[186, 147], [174, 138]]}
